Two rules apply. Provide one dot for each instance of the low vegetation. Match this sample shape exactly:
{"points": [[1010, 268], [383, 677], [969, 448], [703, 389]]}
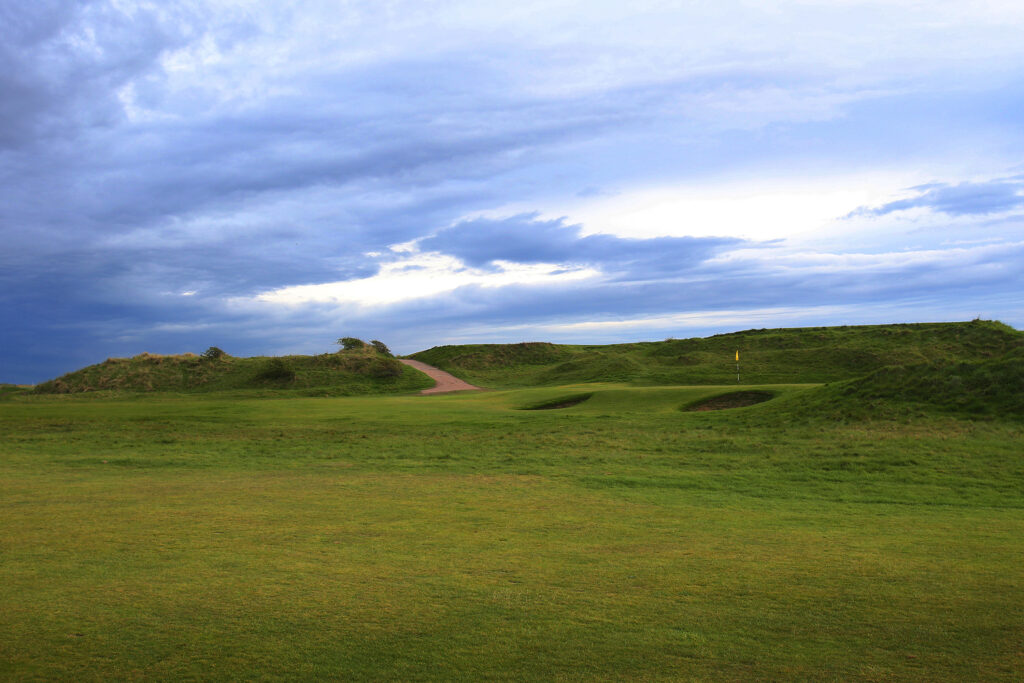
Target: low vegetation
{"points": [[988, 388], [801, 355], [361, 370]]}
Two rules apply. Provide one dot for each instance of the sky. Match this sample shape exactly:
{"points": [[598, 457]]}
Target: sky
{"points": [[267, 177]]}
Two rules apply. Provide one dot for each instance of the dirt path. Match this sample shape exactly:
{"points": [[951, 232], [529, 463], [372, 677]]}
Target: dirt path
{"points": [[445, 382]]}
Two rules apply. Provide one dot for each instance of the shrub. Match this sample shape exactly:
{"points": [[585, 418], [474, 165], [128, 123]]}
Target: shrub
{"points": [[385, 368], [381, 347], [349, 343], [213, 353], [275, 370]]}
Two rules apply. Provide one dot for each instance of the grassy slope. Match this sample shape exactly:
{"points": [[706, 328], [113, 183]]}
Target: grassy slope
{"points": [[801, 355], [459, 537], [870, 529], [354, 372], [992, 388], [12, 389]]}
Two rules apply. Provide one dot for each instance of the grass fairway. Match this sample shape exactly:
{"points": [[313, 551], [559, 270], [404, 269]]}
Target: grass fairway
{"points": [[461, 537]]}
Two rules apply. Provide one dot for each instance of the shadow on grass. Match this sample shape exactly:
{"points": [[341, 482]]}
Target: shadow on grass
{"points": [[734, 399], [560, 402]]}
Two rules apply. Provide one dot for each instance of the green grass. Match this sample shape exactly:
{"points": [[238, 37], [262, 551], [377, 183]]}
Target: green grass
{"points": [[224, 537], [345, 373], [993, 387], [168, 518], [12, 389], [799, 355]]}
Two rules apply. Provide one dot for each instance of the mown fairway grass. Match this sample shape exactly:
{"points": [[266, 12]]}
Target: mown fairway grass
{"points": [[458, 537]]}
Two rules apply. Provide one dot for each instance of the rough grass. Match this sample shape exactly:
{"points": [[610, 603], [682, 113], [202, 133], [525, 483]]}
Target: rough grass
{"points": [[800, 355], [992, 389], [353, 372], [167, 537], [12, 389]]}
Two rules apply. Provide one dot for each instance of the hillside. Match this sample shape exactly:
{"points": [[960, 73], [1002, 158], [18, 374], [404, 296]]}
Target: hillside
{"points": [[354, 372], [767, 356], [989, 388]]}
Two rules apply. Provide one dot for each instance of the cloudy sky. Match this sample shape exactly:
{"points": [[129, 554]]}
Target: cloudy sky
{"points": [[267, 177]]}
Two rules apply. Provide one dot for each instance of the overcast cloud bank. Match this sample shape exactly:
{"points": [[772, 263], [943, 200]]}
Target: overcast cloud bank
{"points": [[267, 179]]}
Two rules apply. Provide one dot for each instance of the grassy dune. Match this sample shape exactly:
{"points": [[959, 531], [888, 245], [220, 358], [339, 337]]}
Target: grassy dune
{"points": [[865, 530], [811, 354], [345, 373]]}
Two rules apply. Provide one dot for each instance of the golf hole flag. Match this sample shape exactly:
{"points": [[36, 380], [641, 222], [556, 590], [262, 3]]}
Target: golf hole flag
{"points": [[737, 355]]}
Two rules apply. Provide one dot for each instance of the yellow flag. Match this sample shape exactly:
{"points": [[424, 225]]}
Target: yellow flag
{"points": [[737, 355]]}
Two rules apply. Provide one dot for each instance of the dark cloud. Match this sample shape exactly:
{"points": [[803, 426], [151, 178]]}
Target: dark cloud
{"points": [[527, 239], [963, 199], [50, 332], [61, 63], [507, 313], [126, 182]]}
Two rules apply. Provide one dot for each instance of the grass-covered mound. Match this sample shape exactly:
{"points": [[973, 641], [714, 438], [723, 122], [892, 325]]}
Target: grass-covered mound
{"points": [[767, 356], [12, 389], [350, 372], [488, 357], [993, 388]]}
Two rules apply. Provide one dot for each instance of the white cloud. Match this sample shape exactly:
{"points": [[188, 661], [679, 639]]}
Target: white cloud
{"points": [[701, 323], [871, 266], [701, 319], [555, 48], [420, 276], [748, 209]]}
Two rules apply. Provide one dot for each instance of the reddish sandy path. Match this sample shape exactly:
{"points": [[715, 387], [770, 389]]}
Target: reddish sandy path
{"points": [[445, 381]]}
